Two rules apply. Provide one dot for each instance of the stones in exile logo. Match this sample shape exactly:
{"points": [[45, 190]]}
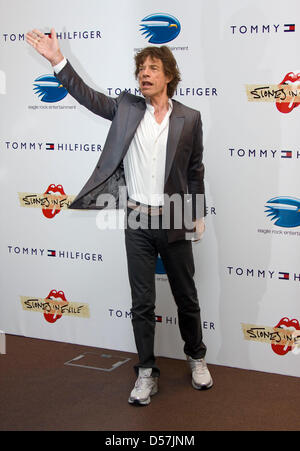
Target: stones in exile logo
{"points": [[291, 79], [282, 338], [285, 94], [292, 326], [51, 202], [54, 306], [160, 28]]}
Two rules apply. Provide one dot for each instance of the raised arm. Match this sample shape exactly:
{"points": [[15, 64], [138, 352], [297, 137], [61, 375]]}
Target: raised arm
{"points": [[95, 101]]}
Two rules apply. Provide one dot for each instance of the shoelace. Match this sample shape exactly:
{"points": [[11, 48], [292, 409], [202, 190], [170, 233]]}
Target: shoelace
{"points": [[143, 382], [198, 366]]}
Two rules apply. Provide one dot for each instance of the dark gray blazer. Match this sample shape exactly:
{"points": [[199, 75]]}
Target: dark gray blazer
{"points": [[184, 171]]}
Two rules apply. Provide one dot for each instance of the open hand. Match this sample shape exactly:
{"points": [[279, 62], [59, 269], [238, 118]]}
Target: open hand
{"points": [[47, 46]]}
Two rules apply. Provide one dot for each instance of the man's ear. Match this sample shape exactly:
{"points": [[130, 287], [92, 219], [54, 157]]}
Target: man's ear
{"points": [[170, 78]]}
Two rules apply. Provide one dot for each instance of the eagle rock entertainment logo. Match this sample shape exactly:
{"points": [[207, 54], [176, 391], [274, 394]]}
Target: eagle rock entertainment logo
{"points": [[286, 94], [160, 28], [49, 89], [159, 267], [54, 306], [283, 338], [285, 211], [160, 270], [51, 202]]}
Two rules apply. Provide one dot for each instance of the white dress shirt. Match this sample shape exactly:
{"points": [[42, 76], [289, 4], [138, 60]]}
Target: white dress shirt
{"points": [[145, 160]]}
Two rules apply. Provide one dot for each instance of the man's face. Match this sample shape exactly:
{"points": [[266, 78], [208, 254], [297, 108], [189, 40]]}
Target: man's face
{"points": [[152, 79]]}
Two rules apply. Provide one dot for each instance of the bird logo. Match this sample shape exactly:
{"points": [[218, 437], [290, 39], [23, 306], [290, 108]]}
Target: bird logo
{"points": [[159, 267], [49, 89], [161, 29], [284, 210]]}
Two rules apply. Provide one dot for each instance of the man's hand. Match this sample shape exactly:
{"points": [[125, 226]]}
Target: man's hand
{"points": [[47, 46], [199, 229]]}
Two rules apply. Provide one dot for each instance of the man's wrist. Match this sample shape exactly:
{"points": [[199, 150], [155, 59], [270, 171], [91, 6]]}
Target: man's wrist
{"points": [[58, 67], [58, 58]]}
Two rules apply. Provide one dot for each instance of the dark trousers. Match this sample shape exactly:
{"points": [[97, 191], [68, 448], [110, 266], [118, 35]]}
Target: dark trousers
{"points": [[142, 247]]}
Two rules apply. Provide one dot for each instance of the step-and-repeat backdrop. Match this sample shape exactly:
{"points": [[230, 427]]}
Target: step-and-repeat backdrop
{"points": [[64, 279]]}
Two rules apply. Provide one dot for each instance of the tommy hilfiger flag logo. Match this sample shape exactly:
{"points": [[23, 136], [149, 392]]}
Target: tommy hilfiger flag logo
{"points": [[289, 27], [286, 154], [49, 146], [284, 275]]}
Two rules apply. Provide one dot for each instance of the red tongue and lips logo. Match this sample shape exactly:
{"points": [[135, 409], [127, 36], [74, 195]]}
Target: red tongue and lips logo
{"points": [[60, 296], [284, 349], [287, 107], [51, 212]]}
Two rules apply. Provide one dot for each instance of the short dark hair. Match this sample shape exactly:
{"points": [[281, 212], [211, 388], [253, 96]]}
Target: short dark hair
{"points": [[169, 64]]}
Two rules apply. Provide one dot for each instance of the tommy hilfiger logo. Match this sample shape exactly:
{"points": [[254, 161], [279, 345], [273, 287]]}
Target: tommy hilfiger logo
{"points": [[65, 254], [50, 146], [169, 320], [263, 29], [259, 153], [259, 273]]}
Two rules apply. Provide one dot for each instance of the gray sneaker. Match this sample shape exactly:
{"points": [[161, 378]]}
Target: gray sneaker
{"points": [[145, 386], [201, 378]]}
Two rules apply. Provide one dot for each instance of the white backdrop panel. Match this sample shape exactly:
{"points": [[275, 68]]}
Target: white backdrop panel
{"points": [[247, 268]]}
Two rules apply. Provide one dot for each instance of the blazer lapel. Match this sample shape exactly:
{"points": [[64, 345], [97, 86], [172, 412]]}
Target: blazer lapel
{"points": [[175, 128], [135, 115]]}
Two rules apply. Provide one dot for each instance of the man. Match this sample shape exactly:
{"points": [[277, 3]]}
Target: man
{"points": [[154, 148]]}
